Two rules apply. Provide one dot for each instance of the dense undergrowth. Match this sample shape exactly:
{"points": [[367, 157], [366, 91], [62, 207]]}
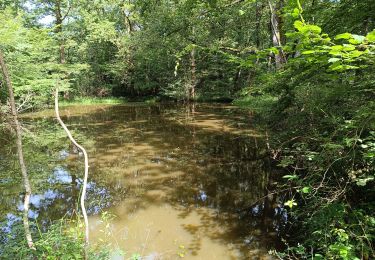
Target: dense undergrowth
{"points": [[320, 109], [62, 239]]}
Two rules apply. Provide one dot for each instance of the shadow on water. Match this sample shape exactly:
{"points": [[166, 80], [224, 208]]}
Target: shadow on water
{"points": [[181, 181]]}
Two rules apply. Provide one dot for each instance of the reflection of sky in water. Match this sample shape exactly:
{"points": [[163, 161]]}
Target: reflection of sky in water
{"points": [[38, 202], [202, 196], [63, 154], [256, 210], [281, 218], [60, 175], [62, 198], [228, 167], [6, 227], [5, 180], [10, 220]]}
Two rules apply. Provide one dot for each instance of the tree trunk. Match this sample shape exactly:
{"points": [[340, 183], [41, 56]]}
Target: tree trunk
{"points": [[237, 78], [193, 74], [58, 30], [258, 19], [25, 178], [129, 26], [277, 38]]}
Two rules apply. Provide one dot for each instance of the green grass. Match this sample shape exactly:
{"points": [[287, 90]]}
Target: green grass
{"points": [[260, 104], [64, 239], [93, 101]]}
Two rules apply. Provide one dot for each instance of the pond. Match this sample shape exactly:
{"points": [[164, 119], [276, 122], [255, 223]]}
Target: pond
{"points": [[180, 181]]}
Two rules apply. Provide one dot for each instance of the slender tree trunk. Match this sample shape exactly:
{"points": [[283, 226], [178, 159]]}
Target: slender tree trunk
{"points": [[129, 26], [25, 178], [86, 173], [58, 30], [258, 18], [193, 74], [276, 24], [129, 55], [366, 23], [237, 78]]}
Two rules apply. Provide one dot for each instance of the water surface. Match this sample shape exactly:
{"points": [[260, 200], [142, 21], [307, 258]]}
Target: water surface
{"points": [[182, 181]]}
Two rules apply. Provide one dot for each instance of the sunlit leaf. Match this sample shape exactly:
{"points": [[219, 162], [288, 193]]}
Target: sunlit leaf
{"points": [[298, 25], [371, 36], [290, 203], [290, 177], [345, 36], [306, 189], [332, 60], [308, 52]]}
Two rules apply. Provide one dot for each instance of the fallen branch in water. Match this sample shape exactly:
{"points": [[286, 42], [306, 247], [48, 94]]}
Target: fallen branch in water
{"points": [[83, 195], [25, 178]]}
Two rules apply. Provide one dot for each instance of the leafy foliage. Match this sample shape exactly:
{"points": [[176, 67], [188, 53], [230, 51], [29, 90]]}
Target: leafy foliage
{"points": [[325, 98], [305, 67]]}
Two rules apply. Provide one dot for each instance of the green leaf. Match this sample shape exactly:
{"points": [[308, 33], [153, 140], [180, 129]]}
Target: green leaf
{"points": [[318, 257], [295, 13], [274, 50], [312, 28], [286, 161], [371, 36], [340, 67], [308, 52], [290, 177], [345, 36], [357, 39], [348, 47], [332, 60], [356, 53], [298, 25], [336, 50], [306, 190], [290, 203], [363, 182], [336, 66], [337, 47], [241, 12]]}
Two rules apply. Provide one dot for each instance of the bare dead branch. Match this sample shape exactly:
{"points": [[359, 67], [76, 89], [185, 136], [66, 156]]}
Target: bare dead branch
{"points": [[25, 178], [84, 187]]}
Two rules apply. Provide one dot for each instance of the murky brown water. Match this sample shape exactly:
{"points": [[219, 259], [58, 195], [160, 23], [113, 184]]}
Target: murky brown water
{"points": [[182, 182]]}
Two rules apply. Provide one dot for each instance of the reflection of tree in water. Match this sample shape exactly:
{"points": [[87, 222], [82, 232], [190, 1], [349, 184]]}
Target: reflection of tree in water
{"points": [[56, 196], [234, 180], [222, 171], [225, 172]]}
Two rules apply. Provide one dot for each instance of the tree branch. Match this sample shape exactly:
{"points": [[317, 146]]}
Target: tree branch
{"points": [[83, 195], [67, 12], [21, 159]]}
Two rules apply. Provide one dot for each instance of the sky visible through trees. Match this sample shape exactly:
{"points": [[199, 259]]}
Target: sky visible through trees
{"points": [[304, 68]]}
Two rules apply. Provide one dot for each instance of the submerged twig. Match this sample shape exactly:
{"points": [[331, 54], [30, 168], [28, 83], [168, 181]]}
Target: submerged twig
{"points": [[25, 178], [84, 187]]}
